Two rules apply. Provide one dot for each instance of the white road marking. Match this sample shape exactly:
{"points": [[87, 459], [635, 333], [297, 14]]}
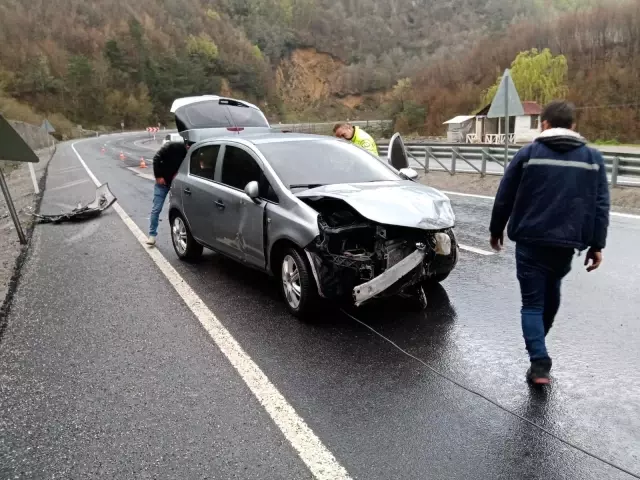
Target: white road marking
{"points": [[486, 197], [479, 251], [32, 171], [320, 461], [68, 185]]}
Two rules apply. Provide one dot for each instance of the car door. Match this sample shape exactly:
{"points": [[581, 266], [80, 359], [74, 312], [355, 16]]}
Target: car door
{"points": [[239, 221], [199, 192]]}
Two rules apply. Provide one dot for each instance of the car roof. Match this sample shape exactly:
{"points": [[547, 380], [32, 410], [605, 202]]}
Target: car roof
{"points": [[281, 137], [181, 102]]}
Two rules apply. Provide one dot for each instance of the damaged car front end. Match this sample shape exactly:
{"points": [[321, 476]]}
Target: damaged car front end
{"points": [[368, 248]]}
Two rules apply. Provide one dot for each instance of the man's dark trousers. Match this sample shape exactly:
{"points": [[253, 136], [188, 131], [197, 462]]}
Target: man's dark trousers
{"points": [[540, 272]]}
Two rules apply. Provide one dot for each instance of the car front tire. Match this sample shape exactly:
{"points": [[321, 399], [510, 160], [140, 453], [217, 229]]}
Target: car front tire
{"points": [[297, 285], [184, 244]]}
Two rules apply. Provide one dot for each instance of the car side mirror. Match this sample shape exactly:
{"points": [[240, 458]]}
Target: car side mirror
{"points": [[253, 191], [409, 173]]}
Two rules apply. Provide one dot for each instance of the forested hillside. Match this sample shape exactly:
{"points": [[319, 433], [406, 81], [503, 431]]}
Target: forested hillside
{"points": [[100, 62], [601, 47]]}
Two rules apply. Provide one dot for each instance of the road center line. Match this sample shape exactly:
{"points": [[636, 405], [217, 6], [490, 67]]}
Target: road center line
{"points": [[486, 197], [318, 459]]}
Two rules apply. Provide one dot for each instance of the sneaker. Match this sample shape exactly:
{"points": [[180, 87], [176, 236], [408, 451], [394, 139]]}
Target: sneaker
{"points": [[538, 373], [151, 241]]}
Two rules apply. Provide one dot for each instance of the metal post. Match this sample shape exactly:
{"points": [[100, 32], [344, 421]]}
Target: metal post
{"points": [[614, 171], [12, 208], [483, 165], [454, 156], [506, 128], [427, 157]]}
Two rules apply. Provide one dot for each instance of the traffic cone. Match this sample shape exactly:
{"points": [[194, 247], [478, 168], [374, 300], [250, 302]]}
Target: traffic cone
{"points": [[122, 157], [142, 164]]}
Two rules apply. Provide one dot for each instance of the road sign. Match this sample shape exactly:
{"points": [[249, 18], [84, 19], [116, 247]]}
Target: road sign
{"points": [[15, 149], [507, 101], [506, 104], [12, 147], [47, 127]]}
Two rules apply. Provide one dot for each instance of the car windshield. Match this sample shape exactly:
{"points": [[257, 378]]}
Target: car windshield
{"points": [[309, 164]]}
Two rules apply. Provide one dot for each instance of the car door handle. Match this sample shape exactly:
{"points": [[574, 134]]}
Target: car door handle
{"points": [[220, 204], [187, 191]]}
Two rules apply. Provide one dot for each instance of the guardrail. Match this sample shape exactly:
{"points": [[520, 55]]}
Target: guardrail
{"points": [[489, 160]]}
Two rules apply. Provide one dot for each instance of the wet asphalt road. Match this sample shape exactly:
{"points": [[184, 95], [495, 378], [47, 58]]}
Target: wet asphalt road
{"points": [[381, 413]]}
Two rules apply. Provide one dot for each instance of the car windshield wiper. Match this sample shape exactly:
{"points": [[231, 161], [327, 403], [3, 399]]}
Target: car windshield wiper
{"points": [[307, 185]]}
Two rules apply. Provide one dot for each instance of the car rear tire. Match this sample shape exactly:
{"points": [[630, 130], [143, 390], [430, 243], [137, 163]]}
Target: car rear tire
{"points": [[297, 284], [184, 244]]}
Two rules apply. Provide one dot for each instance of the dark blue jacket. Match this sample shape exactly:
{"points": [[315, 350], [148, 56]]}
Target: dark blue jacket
{"points": [[554, 193]]}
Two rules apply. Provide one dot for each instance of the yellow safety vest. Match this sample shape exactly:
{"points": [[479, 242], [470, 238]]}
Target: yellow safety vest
{"points": [[363, 140]]}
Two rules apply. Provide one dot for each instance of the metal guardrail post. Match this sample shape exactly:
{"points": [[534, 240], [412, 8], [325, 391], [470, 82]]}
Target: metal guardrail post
{"points": [[483, 165], [454, 157], [427, 154], [614, 171]]}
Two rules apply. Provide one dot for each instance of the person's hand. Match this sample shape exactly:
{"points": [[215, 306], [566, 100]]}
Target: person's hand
{"points": [[160, 181], [497, 242], [595, 258]]}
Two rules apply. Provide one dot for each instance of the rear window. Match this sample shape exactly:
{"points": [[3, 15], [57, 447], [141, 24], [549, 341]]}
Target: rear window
{"points": [[214, 114], [247, 117]]}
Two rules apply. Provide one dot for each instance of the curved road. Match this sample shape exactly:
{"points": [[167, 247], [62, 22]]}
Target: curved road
{"points": [[364, 388]]}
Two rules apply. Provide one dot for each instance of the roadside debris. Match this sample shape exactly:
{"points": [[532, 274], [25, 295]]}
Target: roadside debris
{"points": [[104, 199]]}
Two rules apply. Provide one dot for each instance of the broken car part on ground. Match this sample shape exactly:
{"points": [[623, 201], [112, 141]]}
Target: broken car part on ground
{"points": [[104, 199]]}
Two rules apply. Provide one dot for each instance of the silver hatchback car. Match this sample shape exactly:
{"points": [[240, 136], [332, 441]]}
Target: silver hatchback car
{"points": [[326, 218]]}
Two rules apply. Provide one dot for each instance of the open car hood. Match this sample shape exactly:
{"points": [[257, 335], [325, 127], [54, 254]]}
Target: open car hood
{"points": [[402, 203]]}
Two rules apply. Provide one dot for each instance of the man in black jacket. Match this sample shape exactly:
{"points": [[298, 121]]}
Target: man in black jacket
{"points": [[555, 197], [166, 163]]}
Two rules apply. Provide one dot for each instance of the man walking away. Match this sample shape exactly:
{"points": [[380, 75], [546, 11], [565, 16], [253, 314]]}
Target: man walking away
{"points": [[357, 136], [166, 163], [556, 198]]}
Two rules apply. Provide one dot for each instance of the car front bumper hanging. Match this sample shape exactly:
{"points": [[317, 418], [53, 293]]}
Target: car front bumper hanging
{"points": [[366, 291]]}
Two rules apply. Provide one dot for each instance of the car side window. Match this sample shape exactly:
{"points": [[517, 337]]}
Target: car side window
{"points": [[203, 161], [239, 168], [266, 190]]}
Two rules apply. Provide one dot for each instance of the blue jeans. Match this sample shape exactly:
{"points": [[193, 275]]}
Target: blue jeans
{"points": [[160, 193], [540, 273]]}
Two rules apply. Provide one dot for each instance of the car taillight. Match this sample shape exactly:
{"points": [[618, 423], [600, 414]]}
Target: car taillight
{"points": [[235, 129]]}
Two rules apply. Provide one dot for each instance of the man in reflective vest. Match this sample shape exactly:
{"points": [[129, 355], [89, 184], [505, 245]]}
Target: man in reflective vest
{"points": [[357, 136]]}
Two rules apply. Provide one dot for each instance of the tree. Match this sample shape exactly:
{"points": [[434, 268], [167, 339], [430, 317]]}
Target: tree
{"points": [[79, 85], [202, 46], [538, 76]]}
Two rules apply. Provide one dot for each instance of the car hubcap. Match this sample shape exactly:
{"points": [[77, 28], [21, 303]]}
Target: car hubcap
{"points": [[291, 281], [179, 232]]}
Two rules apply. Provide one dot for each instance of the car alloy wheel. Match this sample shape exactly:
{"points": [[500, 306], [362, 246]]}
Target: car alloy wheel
{"points": [[179, 233], [291, 282]]}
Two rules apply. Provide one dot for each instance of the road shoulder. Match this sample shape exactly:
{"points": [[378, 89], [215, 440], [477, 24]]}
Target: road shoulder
{"points": [[26, 201]]}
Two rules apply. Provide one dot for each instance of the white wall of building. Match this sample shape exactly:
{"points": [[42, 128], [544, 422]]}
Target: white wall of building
{"points": [[524, 131]]}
